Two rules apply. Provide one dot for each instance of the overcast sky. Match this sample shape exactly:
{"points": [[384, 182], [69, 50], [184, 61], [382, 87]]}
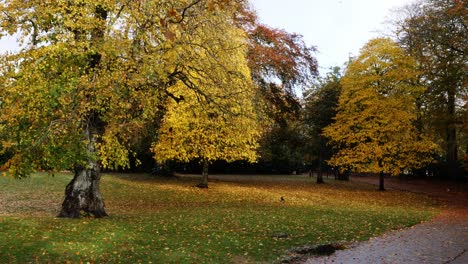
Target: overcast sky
{"points": [[338, 28]]}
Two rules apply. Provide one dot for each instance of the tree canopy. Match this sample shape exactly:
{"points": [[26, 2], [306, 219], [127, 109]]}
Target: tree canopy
{"points": [[280, 63], [374, 128], [223, 122]]}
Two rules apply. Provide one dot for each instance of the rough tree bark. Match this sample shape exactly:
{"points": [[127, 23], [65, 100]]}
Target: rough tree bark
{"points": [[82, 193]]}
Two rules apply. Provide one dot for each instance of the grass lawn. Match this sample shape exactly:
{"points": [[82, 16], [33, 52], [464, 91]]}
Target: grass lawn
{"points": [[154, 220]]}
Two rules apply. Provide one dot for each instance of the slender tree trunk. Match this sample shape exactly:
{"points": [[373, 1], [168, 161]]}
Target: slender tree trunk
{"points": [[320, 171], [454, 170], [204, 180], [346, 175], [82, 193], [381, 181]]}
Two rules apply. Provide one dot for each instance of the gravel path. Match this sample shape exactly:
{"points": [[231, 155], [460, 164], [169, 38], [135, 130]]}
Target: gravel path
{"points": [[441, 240]]}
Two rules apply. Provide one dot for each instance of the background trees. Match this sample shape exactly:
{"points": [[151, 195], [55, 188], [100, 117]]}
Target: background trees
{"points": [[320, 107], [280, 63], [435, 33], [374, 127]]}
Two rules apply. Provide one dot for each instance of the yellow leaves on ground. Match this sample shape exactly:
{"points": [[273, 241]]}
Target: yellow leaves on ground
{"points": [[147, 193], [170, 221]]}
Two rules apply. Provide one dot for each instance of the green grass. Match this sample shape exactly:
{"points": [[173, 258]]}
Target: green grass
{"points": [[170, 221]]}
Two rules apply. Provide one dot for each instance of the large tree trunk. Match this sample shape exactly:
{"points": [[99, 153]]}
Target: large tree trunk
{"points": [[204, 180], [82, 193]]}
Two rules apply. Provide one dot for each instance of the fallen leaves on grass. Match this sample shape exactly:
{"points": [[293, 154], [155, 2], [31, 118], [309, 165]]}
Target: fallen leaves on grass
{"points": [[164, 220]]}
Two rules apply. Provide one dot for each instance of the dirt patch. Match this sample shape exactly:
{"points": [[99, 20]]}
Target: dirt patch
{"points": [[36, 205], [300, 254]]}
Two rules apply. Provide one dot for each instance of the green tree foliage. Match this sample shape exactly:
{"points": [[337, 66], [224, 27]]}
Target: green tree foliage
{"points": [[374, 128], [92, 74], [321, 104], [435, 33]]}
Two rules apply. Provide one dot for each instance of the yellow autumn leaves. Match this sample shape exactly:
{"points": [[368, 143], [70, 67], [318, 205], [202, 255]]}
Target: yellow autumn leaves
{"points": [[112, 64], [374, 130], [218, 121], [126, 64]]}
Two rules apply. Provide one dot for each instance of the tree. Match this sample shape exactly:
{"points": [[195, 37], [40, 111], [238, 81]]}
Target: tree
{"points": [[277, 54], [465, 129], [374, 128], [321, 103], [435, 33], [221, 124], [280, 62], [93, 73]]}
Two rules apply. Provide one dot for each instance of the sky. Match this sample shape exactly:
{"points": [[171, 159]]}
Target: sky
{"points": [[8, 44], [337, 28]]}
